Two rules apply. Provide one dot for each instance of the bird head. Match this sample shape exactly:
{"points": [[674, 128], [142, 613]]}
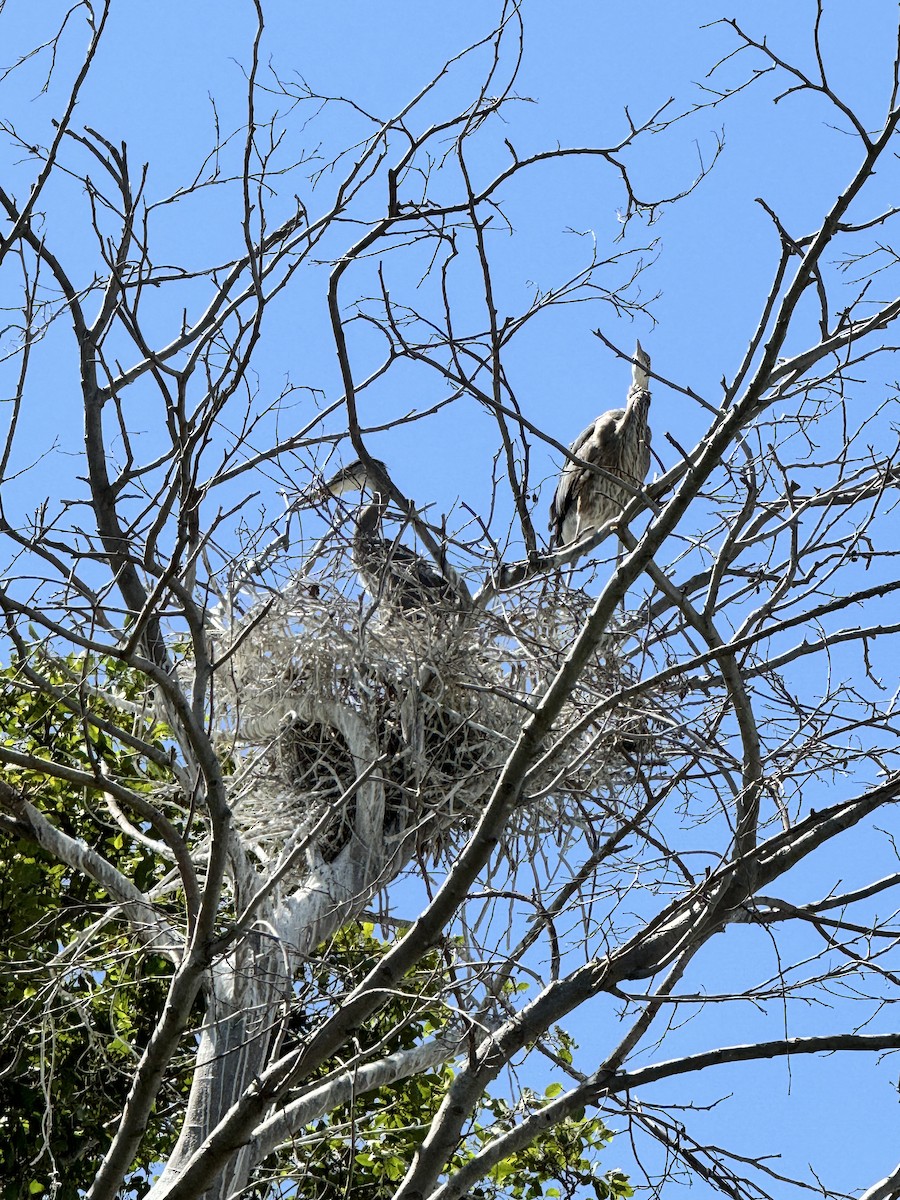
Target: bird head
{"points": [[355, 477], [640, 369]]}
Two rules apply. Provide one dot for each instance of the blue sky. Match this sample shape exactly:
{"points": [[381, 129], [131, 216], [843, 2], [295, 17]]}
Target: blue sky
{"points": [[713, 254], [710, 262]]}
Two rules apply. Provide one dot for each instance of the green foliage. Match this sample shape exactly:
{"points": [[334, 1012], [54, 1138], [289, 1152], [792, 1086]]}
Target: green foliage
{"points": [[558, 1164], [365, 1149], [73, 1027]]}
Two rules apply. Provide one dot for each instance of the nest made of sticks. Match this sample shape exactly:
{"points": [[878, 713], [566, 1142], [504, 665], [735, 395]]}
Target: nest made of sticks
{"points": [[313, 691]]}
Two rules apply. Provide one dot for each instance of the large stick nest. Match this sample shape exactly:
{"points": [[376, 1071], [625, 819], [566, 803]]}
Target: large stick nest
{"points": [[315, 688]]}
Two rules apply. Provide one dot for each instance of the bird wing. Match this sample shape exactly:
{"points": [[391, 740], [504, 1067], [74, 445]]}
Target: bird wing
{"points": [[588, 445], [420, 581], [562, 498]]}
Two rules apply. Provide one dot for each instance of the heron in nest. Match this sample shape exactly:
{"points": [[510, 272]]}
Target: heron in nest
{"points": [[391, 572], [618, 442]]}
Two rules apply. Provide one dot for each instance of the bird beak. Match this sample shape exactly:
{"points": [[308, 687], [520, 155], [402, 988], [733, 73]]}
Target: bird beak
{"points": [[640, 368], [317, 493], [337, 485]]}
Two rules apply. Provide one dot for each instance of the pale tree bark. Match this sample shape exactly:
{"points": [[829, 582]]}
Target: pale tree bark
{"points": [[596, 762]]}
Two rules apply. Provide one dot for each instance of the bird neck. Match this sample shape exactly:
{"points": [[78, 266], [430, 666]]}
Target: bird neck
{"points": [[370, 513], [638, 402]]}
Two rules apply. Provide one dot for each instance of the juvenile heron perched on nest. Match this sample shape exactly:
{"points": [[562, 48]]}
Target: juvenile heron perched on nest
{"points": [[390, 571], [619, 443]]}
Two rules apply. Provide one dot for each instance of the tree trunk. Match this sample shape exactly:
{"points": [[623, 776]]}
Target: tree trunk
{"points": [[245, 1011]]}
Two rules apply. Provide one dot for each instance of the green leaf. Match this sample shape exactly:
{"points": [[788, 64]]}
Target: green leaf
{"points": [[115, 1004]]}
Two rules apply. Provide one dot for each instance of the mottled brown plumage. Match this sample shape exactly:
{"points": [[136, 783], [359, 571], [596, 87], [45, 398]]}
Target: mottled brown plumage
{"points": [[391, 572], [619, 443]]}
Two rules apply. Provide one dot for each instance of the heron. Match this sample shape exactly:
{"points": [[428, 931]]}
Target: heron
{"points": [[390, 571], [618, 442]]}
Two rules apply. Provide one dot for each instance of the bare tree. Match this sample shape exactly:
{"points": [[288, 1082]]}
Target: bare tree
{"points": [[591, 769]]}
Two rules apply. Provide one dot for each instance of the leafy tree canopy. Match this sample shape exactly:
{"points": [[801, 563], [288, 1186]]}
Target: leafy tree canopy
{"points": [[75, 1022]]}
